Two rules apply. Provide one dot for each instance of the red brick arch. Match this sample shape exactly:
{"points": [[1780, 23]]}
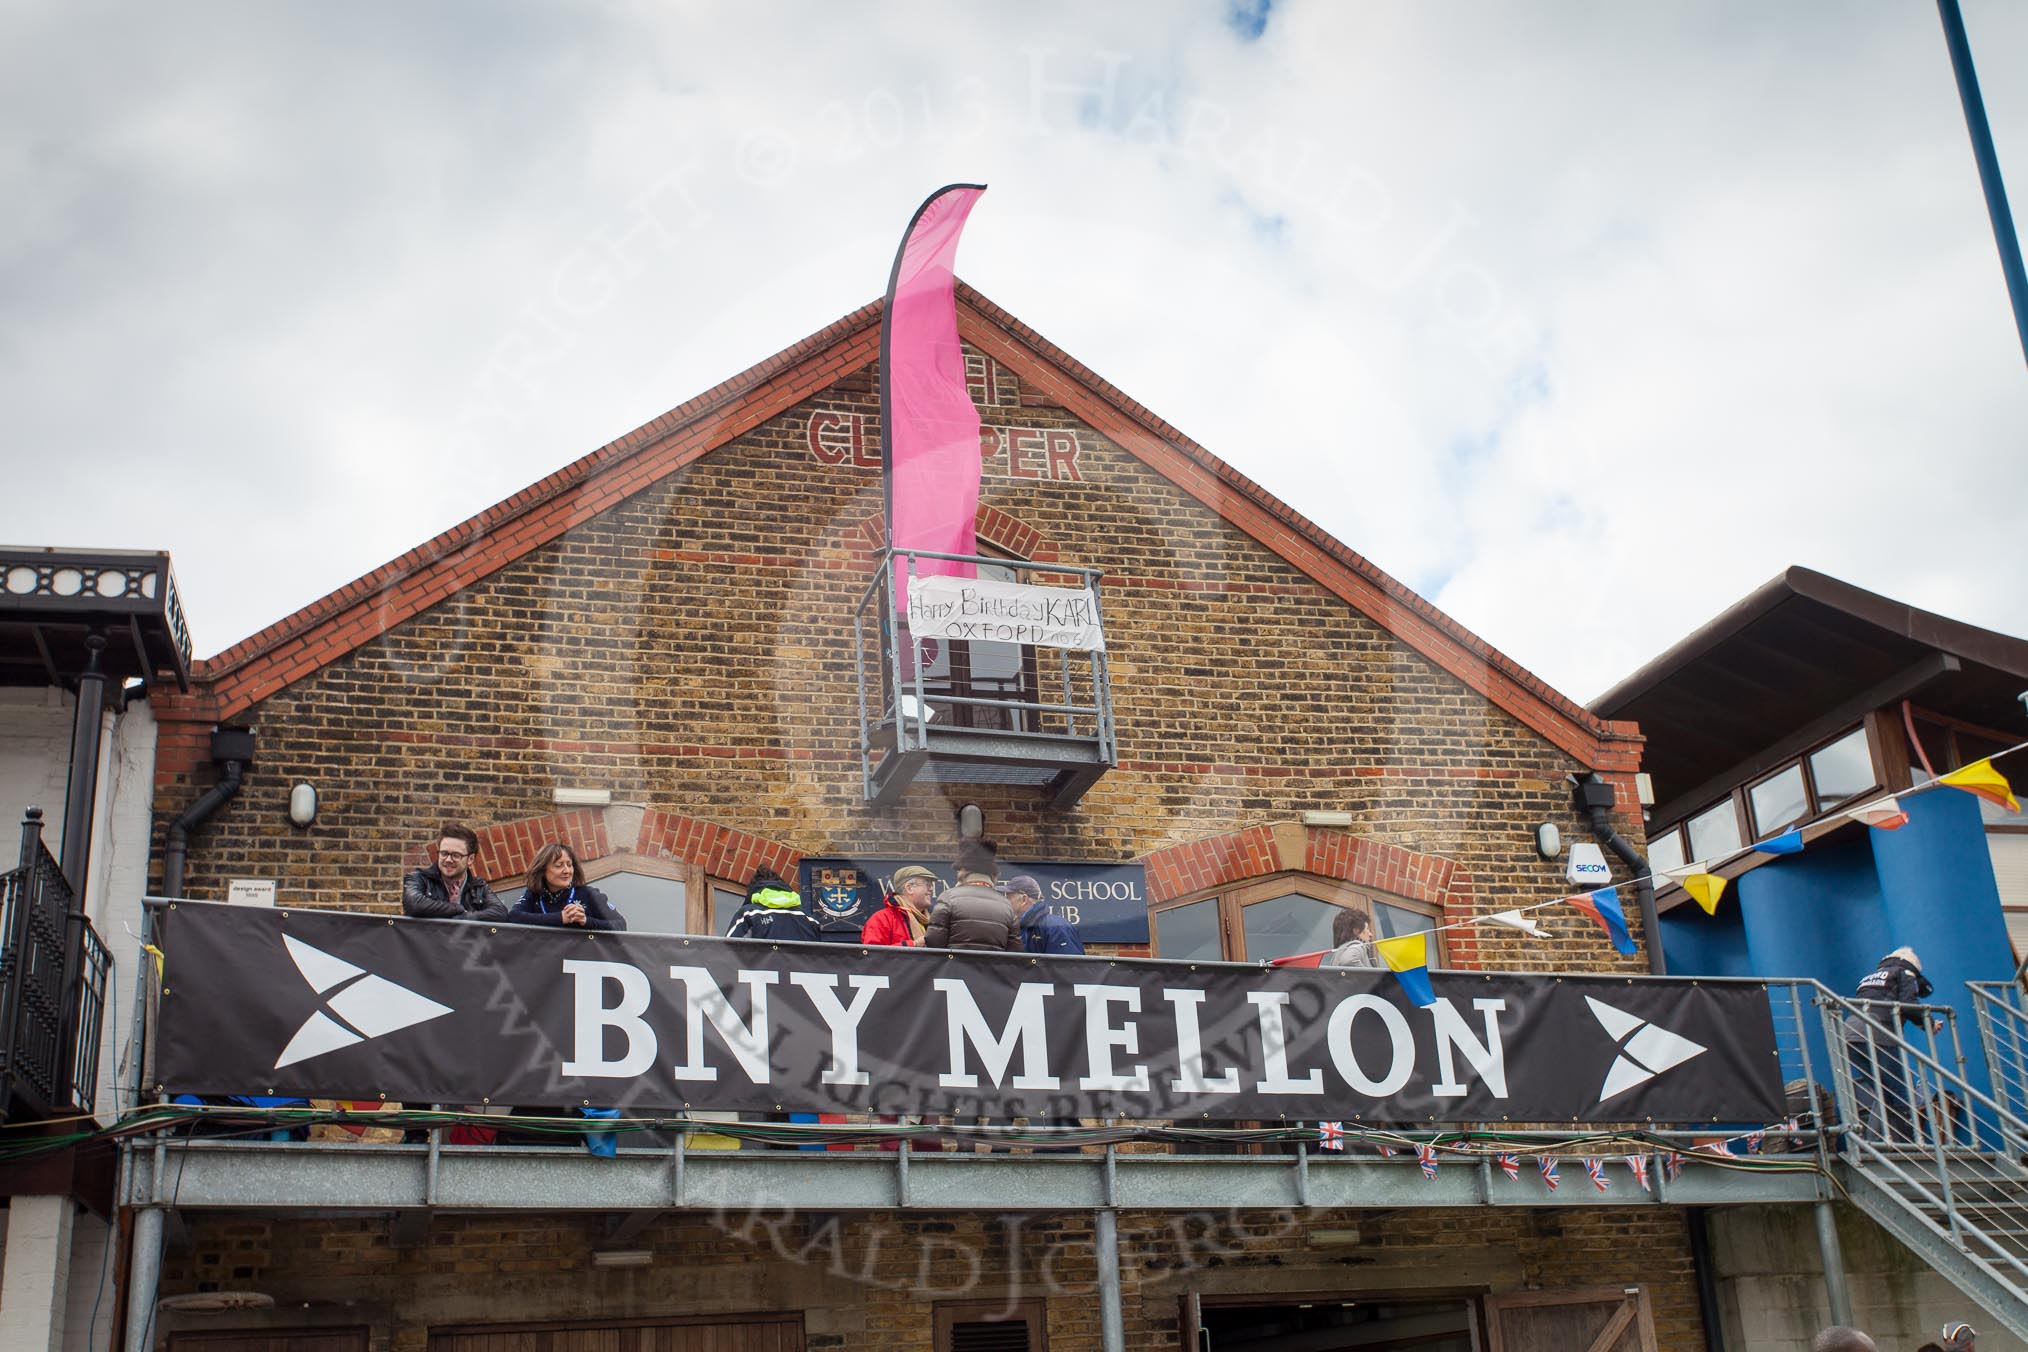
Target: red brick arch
{"points": [[507, 849], [993, 527], [1290, 847]]}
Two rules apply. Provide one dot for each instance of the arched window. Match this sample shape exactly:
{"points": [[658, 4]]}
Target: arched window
{"points": [[1276, 917]]}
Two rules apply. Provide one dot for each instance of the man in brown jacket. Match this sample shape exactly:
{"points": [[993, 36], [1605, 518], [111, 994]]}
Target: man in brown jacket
{"points": [[975, 914]]}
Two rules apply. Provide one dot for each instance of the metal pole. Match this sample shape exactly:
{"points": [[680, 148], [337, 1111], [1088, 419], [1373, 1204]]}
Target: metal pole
{"points": [[142, 1277], [84, 767], [1834, 1264], [1106, 1239], [1989, 164]]}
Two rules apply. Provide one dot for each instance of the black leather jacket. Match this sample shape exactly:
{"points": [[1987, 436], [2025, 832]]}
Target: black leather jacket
{"points": [[425, 896]]}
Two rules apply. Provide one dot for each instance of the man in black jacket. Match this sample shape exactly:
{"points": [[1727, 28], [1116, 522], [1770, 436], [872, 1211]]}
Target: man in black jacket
{"points": [[448, 889]]}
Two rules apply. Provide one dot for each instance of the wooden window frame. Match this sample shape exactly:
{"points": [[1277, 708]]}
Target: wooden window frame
{"points": [[1033, 1311], [1233, 899], [1747, 823]]}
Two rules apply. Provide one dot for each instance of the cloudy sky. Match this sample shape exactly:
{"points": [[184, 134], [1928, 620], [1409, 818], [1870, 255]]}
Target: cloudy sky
{"points": [[1584, 320]]}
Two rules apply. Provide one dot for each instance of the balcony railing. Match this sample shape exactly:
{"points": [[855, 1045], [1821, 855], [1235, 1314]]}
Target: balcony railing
{"points": [[976, 712], [53, 976]]}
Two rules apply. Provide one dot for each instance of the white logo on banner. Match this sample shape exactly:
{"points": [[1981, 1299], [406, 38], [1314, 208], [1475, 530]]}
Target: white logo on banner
{"points": [[370, 1007], [1644, 1055], [990, 611]]}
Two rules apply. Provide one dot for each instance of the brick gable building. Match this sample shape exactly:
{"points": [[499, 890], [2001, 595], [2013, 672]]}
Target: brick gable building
{"points": [[667, 624]]}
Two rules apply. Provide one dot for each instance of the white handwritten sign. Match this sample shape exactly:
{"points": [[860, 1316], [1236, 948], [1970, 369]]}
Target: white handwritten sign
{"points": [[986, 610]]}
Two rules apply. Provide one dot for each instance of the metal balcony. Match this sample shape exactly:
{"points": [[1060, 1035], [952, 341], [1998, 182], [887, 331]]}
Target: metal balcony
{"points": [[53, 974], [52, 600], [971, 712]]}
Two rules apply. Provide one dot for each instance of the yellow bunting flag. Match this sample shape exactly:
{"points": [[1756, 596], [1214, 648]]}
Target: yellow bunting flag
{"points": [[1705, 889], [1981, 779]]}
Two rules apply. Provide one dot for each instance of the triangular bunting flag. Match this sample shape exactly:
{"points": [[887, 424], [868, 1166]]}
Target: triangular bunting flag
{"points": [[1982, 780], [1510, 1165], [1788, 842], [1885, 815], [1546, 1165], [1515, 920], [1705, 889], [1426, 1156], [1604, 907], [1408, 958]]}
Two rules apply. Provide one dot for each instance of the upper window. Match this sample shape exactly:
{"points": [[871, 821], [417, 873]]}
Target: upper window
{"points": [[1277, 918], [1714, 832], [1779, 801], [1842, 771], [1817, 782]]}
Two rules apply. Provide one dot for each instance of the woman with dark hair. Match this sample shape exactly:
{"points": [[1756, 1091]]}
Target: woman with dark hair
{"points": [[559, 896]]}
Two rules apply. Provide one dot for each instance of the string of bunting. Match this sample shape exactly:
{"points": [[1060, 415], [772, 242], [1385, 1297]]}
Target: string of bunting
{"points": [[1407, 955], [1332, 1136]]}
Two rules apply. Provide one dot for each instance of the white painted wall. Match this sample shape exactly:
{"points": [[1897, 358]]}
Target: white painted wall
{"points": [[35, 1274], [34, 763], [88, 1320]]}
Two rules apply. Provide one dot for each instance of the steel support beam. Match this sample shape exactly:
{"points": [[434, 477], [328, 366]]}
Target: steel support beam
{"points": [[360, 1177], [144, 1273], [1106, 1239], [1836, 1288]]}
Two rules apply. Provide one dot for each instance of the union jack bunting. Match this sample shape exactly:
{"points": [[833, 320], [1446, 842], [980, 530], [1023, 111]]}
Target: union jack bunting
{"points": [[1387, 1150], [1672, 1166], [1638, 1166], [1790, 1124], [1594, 1169], [1547, 1165], [1425, 1155], [1331, 1135], [1510, 1165], [1753, 1140]]}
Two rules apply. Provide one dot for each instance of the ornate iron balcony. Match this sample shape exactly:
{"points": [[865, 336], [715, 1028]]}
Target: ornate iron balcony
{"points": [[51, 599]]}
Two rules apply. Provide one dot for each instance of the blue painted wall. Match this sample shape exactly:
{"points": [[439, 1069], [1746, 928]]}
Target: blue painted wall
{"points": [[1833, 911]]}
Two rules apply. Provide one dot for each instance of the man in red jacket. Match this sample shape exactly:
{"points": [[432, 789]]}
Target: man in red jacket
{"points": [[899, 923]]}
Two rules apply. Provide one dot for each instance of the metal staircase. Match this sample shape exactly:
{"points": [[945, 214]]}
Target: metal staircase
{"points": [[1931, 1157]]}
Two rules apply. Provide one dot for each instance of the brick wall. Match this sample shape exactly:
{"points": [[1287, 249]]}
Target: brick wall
{"points": [[869, 1281], [690, 648]]}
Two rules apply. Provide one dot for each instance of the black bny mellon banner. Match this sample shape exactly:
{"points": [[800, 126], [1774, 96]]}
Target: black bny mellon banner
{"points": [[348, 1006]]}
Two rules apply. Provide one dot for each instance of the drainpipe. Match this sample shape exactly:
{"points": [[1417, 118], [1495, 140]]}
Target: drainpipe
{"points": [[79, 805], [1707, 1280], [1594, 798], [231, 748]]}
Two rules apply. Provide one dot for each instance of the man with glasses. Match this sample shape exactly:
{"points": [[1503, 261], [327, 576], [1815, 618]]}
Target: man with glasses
{"points": [[448, 889]]}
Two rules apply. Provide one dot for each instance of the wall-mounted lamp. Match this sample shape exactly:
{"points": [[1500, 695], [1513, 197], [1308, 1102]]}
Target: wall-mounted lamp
{"points": [[622, 1258], [303, 804], [564, 797], [971, 822], [1548, 840]]}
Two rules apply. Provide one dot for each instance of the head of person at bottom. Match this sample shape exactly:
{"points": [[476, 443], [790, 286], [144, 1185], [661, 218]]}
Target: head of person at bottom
{"points": [[978, 861], [1841, 1338]]}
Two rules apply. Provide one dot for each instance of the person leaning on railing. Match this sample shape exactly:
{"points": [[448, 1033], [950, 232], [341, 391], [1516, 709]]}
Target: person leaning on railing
{"points": [[448, 889], [1877, 1077], [555, 894]]}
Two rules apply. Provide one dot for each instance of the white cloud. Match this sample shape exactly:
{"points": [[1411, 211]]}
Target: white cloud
{"points": [[1587, 321]]}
